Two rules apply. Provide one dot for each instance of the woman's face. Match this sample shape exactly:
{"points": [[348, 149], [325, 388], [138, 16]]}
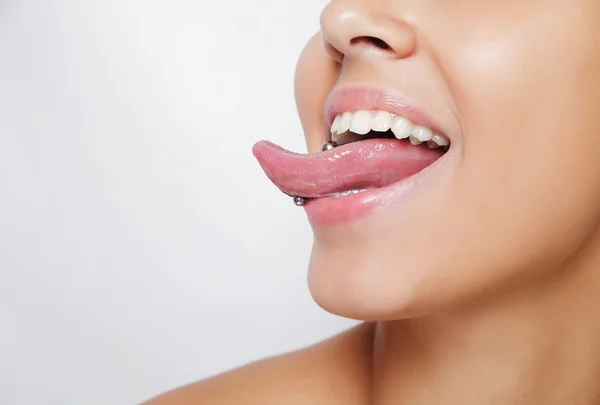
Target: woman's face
{"points": [[515, 85]]}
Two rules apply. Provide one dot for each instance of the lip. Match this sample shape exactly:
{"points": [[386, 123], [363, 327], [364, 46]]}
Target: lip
{"points": [[293, 174], [332, 211], [379, 98]]}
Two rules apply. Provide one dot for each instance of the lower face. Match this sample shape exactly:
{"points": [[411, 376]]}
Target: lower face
{"points": [[515, 88]]}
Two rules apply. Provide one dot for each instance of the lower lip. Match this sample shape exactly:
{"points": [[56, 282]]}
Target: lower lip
{"points": [[335, 211]]}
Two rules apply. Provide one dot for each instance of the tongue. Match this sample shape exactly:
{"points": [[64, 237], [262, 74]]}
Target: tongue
{"points": [[355, 166]]}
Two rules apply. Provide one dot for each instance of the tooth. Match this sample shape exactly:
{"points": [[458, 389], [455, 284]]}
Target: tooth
{"points": [[382, 121], [414, 140], [401, 127], [344, 124], [335, 124], [432, 145], [441, 140], [422, 134], [361, 122]]}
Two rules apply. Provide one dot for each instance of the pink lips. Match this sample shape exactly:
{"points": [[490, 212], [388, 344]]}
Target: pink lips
{"points": [[383, 167]]}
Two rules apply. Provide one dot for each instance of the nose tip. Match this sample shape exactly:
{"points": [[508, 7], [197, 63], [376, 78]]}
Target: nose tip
{"points": [[354, 29]]}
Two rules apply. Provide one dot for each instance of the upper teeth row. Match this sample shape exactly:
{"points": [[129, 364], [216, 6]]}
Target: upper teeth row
{"points": [[364, 121]]}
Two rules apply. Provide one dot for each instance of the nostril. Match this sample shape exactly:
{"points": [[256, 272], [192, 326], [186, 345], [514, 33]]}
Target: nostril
{"points": [[377, 42]]}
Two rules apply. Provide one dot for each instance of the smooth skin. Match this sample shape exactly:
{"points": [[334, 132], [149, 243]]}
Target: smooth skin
{"points": [[486, 288]]}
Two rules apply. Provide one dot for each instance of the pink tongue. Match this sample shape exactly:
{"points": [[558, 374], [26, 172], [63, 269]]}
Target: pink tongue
{"points": [[358, 165]]}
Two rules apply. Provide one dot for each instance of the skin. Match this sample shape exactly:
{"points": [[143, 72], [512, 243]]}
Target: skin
{"points": [[484, 287]]}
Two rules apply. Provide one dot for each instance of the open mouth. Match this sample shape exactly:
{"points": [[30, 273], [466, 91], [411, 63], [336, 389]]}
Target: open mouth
{"points": [[382, 146], [369, 149]]}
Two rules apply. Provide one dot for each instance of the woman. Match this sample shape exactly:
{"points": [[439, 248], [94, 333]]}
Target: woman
{"points": [[455, 207]]}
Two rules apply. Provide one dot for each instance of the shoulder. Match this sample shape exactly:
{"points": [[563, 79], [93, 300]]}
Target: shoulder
{"points": [[334, 371]]}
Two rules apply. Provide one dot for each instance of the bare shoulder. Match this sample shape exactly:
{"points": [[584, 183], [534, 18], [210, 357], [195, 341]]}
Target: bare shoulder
{"points": [[334, 371]]}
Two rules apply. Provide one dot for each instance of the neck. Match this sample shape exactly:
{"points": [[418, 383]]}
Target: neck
{"points": [[539, 345]]}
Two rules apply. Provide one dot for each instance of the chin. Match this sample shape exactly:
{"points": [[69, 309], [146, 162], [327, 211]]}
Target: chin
{"points": [[368, 280], [369, 285]]}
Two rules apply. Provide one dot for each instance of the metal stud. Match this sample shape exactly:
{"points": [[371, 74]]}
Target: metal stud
{"points": [[328, 146], [299, 201]]}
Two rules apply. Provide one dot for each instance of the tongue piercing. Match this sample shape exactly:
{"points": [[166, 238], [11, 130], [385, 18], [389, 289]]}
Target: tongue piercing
{"points": [[299, 201], [328, 146]]}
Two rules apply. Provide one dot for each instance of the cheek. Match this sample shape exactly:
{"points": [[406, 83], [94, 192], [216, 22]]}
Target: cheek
{"points": [[530, 159], [524, 194], [316, 75]]}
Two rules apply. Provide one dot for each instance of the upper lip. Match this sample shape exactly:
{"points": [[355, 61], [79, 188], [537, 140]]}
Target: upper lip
{"points": [[360, 98]]}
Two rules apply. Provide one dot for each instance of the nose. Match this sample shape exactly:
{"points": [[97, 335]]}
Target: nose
{"points": [[355, 29]]}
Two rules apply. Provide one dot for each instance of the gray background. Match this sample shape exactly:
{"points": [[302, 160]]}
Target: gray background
{"points": [[141, 247]]}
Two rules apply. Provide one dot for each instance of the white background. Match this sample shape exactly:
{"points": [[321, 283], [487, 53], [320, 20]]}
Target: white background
{"points": [[141, 247]]}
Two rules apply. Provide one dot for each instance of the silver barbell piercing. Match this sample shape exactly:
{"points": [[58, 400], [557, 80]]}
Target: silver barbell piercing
{"points": [[329, 145], [299, 201]]}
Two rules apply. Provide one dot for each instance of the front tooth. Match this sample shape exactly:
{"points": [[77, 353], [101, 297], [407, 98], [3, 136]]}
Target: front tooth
{"points": [[422, 134], [344, 124], [401, 127], [441, 140], [336, 123], [382, 121], [361, 122]]}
